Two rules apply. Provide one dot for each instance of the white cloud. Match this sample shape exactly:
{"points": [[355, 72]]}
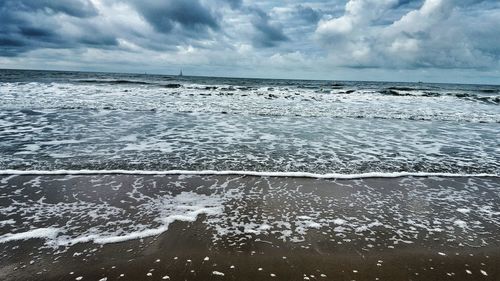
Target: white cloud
{"points": [[435, 35]]}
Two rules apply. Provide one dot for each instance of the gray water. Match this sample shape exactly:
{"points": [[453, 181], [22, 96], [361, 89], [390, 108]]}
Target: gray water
{"points": [[99, 121]]}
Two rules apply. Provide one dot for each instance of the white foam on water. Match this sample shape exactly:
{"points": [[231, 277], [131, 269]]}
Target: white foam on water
{"points": [[6, 222], [460, 223], [285, 101], [29, 148], [43, 233], [245, 173], [312, 224], [218, 273], [164, 140], [339, 221], [265, 227]]}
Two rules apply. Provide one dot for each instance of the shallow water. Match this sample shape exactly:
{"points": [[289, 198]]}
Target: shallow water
{"points": [[72, 121]]}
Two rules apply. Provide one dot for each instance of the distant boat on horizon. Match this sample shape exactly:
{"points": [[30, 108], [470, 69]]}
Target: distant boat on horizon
{"points": [[180, 73]]}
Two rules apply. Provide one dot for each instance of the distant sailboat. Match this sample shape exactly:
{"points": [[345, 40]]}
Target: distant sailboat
{"points": [[180, 73]]}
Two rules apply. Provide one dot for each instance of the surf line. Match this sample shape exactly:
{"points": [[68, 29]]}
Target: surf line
{"points": [[245, 173]]}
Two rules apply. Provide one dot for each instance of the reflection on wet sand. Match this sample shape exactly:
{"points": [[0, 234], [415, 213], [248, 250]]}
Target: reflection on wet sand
{"points": [[193, 227]]}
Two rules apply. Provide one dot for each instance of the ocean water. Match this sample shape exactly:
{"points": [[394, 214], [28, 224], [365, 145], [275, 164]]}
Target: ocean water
{"points": [[101, 121], [92, 160]]}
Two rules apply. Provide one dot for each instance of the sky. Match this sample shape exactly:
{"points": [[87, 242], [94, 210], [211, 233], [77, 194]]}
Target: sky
{"points": [[390, 40]]}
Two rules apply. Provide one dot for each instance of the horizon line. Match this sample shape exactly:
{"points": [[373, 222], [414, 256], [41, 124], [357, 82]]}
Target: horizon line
{"points": [[240, 77]]}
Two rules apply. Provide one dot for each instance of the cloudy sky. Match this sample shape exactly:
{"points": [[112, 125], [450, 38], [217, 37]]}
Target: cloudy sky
{"points": [[397, 40]]}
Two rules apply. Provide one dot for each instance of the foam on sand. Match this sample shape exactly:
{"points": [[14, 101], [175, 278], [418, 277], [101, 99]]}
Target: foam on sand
{"points": [[186, 206], [113, 208]]}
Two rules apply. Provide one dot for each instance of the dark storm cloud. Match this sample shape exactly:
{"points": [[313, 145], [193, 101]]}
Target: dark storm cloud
{"points": [[268, 34], [408, 3], [234, 3], [351, 34], [308, 14], [75, 8], [26, 25], [190, 14]]}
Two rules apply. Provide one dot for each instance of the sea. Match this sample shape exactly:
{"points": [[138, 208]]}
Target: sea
{"points": [[107, 176], [51, 120]]}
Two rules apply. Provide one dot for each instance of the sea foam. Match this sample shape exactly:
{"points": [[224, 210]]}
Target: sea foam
{"points": [[245, 173]]}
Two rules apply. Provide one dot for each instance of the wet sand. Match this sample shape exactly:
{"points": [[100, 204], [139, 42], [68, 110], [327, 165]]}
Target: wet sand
{"points": [[249, 228]]}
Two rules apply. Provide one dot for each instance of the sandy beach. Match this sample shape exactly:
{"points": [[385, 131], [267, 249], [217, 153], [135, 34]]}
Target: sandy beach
{"points": [[210, 140], [145, 227]]}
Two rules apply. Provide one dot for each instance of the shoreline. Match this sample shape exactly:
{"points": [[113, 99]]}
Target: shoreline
{"points": [[221, 227], [248, 173]]}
